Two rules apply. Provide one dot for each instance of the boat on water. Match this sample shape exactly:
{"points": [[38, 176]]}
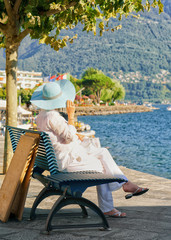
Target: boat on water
{"points": [[169, 108]]}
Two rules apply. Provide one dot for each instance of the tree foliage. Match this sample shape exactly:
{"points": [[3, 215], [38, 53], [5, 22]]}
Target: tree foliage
{"points": [[89, 71], [76, 82], [40, 17], [3, 92], [25, 95], [117, 92], [96, 82], [146, 91]]}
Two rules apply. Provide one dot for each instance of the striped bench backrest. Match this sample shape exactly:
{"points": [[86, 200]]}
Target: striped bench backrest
{"points": [[45, 157]]}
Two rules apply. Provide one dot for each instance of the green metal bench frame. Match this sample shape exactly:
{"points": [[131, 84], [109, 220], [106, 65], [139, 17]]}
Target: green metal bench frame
{"points": [[68, 185]]}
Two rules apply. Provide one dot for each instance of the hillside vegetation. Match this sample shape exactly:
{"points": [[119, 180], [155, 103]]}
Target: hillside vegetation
{"points": [[142, 45]]}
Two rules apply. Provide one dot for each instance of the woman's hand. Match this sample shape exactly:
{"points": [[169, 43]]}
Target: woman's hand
{"points": [[70, 111], [70, 108]]}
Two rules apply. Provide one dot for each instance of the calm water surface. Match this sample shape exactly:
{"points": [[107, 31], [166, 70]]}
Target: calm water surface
{"points": [[141, 141]]}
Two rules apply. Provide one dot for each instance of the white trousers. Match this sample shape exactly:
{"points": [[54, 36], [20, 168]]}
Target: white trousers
{"points": [[104, 196], [104, 191]]}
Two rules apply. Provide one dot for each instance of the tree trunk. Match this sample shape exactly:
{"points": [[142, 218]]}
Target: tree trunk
{"points": [[11, 97], [98, 96]]}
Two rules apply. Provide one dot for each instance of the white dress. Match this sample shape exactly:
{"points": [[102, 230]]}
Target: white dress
{"points": [[73, 154]]}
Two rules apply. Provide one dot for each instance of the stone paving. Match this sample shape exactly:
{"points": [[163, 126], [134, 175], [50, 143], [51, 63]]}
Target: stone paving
{"points": [[148, 216]]}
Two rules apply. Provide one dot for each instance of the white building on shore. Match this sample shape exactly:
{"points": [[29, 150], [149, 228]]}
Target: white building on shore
{"points": [[25, 79]]}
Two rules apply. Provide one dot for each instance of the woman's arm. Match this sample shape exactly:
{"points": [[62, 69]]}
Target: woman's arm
{"points": [[60, 127], [70, 111]]}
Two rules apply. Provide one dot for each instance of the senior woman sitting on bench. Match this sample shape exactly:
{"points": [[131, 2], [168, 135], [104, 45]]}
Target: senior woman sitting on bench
{"points": [[74, 151]]}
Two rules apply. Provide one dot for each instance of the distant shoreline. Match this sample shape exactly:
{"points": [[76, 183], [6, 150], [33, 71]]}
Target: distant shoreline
{"points": [[108, 110]]}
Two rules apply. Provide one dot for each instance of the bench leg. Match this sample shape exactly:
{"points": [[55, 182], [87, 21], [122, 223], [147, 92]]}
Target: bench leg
{"points": [[67, 200], [45, 192]]}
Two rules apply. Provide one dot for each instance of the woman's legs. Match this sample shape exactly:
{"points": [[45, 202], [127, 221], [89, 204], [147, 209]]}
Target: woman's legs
{"points": [[133, 189], [105, 201], [129, 187]]}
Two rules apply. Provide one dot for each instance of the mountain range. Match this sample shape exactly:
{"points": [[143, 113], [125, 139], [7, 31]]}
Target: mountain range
{"points": [[142, 45]]}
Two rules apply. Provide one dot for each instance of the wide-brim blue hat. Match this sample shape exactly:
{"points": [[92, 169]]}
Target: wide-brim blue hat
{"points": [[53, 95]]}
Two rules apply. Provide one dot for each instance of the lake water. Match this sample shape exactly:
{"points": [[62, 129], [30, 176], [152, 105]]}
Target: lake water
{"points": [[141, 141]]}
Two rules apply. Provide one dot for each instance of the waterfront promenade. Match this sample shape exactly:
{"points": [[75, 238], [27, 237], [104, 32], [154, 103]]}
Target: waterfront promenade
{"points": [[148, 216]]}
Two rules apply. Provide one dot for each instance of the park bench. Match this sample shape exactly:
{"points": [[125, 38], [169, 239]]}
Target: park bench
{"points": [[68, 185]]}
